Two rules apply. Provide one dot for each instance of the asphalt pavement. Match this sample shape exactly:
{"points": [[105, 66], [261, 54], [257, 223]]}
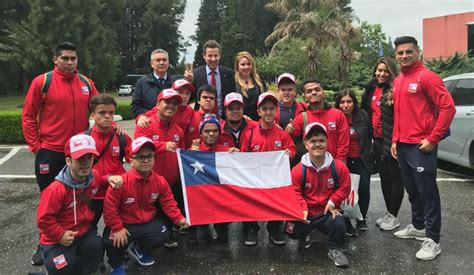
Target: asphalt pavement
{"points": [[373, 251]]}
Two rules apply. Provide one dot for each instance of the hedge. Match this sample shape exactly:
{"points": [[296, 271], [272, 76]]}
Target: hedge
{"points": [[124, 109], [10, 129]]}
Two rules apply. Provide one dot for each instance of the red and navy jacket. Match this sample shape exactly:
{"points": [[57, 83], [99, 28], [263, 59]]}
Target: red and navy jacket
{"points": [[229, 139], [55, 213], [217, 148], [336, 126], [319, 184], [423, 108], [182, 117], [166, 162], [135, 202], [266, 140], [192, 132], [109, 163], [300, 107], [50, 119]]}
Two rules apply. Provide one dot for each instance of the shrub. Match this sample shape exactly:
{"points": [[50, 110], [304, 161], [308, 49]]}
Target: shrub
{"points": [[124, 109], [11, 131]]}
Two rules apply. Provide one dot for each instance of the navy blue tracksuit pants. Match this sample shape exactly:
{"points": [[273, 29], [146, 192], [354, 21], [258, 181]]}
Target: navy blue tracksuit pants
{"points": [[419, 177]]}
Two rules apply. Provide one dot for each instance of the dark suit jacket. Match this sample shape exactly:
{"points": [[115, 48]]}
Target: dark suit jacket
{"points": [[146, 92], [227, 81]]}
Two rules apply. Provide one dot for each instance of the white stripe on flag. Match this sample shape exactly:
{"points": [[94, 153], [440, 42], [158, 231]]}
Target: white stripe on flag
{"points": [[254, 170]]}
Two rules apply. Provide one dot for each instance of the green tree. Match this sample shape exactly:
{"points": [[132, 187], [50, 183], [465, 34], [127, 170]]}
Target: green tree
{"points": [[458, 63]]}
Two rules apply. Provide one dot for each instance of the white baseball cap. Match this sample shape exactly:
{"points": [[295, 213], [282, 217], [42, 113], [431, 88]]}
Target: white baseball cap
{"points": [[286, 76], [267, 95], [170, 93], [233, 97], [314, 125], [180, 83], [79, 145], [138, 143]]}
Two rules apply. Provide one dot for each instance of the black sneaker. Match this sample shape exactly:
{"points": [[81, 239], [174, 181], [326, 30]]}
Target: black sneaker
{"points": [[350, 231], [37, 258], [277, 238], [305, 242], [222, 233], [338, 257], [171, 242], [251, 238], [362, 225]]}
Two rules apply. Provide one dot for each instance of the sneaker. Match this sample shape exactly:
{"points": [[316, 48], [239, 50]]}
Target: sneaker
{"points": [[429, 250], [362, 225], [118, 270], [305, 242], [37, 258], [183, 231], [251, 238], [142, 258], [338, 257], [390, 223], [102, 267], [171, 242], [380, 220], [410, 232], [350, 231], [277, 238]]}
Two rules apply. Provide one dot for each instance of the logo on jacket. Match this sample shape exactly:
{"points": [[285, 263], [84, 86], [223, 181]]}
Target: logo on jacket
{"points": [[352, 131], [156, 137], [330, 183], [412, 87], [191, 129], [115, 151], [176, 138], [130, 200], [85, 90], [60, 261], [374, 98], [71, 205], [277, 144], [94, 191], [153, 197], [44, 168], [308, 185], [332, 125], [256, 147]]}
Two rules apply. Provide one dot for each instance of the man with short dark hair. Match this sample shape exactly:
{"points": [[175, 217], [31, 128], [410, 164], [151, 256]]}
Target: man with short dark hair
{"points": [[150, 86], [54, 110], [221, 77], [423, 111]]}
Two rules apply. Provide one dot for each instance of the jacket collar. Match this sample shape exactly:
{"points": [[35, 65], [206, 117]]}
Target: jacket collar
{"points": [[305, 160], [64, 75], [412, 68]]}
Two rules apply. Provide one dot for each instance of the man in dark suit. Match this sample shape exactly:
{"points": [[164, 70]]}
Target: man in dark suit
{"points": [[220, 77], [150, 86]]}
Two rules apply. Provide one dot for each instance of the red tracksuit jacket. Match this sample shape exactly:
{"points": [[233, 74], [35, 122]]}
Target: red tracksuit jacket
{"points": [[423, 108], [319, 187], [166, 163], [49, 121], [109, 163], [336, 126], [266, 140], [192, 132], [300, 107], [227, 138], [55, 212], [218, 148], [181, 118], [134, 203]]}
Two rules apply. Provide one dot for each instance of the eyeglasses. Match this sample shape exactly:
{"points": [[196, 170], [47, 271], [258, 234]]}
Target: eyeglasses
{"points": [[67, 58], [142, 158]]}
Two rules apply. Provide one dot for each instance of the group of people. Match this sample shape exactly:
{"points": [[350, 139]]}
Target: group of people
{"points": [[394, 131]]}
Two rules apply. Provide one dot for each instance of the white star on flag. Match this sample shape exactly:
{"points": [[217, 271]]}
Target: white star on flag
{"points": [[198, 167]]}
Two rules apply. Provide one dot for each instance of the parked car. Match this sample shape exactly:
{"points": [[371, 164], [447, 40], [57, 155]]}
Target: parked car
{"points": [[125, 90], [458, 148]]}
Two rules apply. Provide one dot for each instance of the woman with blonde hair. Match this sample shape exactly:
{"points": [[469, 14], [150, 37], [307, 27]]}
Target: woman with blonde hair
{"points": [[378, 102], [248, 83]]}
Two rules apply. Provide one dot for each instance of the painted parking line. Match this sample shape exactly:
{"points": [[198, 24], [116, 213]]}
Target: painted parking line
{"points": [[10, 154], [17, 176]]}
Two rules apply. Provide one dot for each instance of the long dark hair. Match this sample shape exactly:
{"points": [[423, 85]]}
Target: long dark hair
{"points": [[351, 94], [392, 68]]}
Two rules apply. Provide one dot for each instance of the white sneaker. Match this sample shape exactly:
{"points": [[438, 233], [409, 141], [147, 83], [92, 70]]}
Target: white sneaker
{"points": [[429, 250], [381, 219], [390, 223], [410, 232]]}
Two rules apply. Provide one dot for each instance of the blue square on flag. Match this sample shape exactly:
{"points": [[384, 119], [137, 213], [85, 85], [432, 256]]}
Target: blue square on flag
{"points": [[199, 167]]}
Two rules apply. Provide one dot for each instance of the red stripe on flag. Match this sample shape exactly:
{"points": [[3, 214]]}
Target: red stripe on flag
{"points": [[228, 203]]}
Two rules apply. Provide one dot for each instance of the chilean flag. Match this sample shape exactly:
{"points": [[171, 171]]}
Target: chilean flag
{"points": [[233, 187]]}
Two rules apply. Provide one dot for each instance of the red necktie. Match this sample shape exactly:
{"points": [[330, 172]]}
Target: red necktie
{"points": [[213, 78]]}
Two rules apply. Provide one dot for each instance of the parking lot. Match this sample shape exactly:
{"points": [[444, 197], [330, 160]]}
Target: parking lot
{"points": [[373, 251]]}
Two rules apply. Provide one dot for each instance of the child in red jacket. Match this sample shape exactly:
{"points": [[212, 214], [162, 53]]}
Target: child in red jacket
{"points": [[69, 244], [130, 213], [321, 184]]}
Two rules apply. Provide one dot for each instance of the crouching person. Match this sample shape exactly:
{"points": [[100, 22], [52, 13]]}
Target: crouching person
{"points": [[321, 184], [70, 245], [130, 213]]}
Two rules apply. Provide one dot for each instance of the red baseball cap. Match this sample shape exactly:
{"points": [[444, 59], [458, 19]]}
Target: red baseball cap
{"points": [[314, 125], [138, 143], [267, 95], [233, 97], [180, 83], [80, 145], [170, 93], [288, 76]]}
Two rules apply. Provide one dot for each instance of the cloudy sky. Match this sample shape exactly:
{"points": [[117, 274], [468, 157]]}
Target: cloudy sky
{"points": [[397, 17]]}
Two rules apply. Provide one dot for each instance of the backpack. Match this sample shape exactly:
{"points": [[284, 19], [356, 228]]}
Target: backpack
{"points": [[334, 175], [49, 76], [122, 143]]}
